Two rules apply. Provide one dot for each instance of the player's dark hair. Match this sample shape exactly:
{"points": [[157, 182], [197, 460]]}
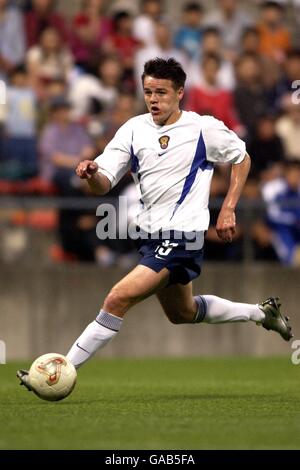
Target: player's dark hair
{"points": [[167, 69]]}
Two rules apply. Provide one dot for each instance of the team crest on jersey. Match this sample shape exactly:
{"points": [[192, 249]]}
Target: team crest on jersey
{"points": [[164, 141]]}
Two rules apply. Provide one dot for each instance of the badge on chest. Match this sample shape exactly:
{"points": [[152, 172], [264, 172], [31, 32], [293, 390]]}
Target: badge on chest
{"points": [[164, 141]]}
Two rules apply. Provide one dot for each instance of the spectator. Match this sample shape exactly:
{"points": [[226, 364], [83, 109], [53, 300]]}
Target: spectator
{"points": [[63, 144], [117, 251], [288, 128], [275, 38], [262, 242], [144, 24], [57, 87], [259, 238], [296, 17], [90, 29], [123, 110], [89, 93], [20, 144], [266, 149], [215, 250], [249, 95], [231, 22], [12, 38], [188, 37], [163, 49], [123, 44], [291, 72], [282, 197], [211, 44], [49, 60], [271, 74], [209, 98], [250, 41], [41, 17]]}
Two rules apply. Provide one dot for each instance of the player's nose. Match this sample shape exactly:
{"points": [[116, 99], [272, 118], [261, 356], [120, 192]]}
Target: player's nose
{"points": [[153, 99]]}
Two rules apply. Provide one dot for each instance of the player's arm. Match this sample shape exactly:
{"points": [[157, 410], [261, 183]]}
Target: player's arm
{"points": [[107, 169], [98, 183], [226, 224]]}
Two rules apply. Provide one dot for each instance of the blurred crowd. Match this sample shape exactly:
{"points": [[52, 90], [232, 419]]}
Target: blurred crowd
{"points": [[71, 82]]}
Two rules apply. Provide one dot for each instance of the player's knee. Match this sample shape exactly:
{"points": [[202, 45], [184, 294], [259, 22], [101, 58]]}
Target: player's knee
{"points": [[116, 302]]}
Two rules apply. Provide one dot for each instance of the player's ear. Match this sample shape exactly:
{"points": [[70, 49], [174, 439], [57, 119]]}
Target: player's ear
{"points": [[180, 93]]}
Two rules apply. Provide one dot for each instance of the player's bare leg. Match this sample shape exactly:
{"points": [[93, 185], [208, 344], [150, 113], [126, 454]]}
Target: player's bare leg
{"points": [[178, 303], [139, 284], [181, 307]]}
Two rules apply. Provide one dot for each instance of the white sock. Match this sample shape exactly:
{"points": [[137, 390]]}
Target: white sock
{"points": [[213, 309], [94, 337]]}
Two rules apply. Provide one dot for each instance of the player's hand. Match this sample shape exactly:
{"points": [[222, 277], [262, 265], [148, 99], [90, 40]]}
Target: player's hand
{"points": [[86, 169], [226, 225]]}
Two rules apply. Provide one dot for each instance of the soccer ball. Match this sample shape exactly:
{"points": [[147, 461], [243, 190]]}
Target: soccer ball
{"points": [[52, 377]]}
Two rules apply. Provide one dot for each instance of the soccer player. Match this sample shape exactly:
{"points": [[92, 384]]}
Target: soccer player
{"points": [[171, 154]]}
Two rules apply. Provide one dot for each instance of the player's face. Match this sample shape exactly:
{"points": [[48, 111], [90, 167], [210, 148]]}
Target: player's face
{"points": [[162, 100]]}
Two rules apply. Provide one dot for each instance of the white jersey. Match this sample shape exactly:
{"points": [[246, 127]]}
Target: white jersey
{"points": [[172, 167]]}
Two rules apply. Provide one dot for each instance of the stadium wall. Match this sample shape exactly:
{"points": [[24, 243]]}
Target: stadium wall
{"points": [[45, 309]]}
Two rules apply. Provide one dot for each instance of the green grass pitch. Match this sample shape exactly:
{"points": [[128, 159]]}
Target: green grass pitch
{"points": [[235, 403]]}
